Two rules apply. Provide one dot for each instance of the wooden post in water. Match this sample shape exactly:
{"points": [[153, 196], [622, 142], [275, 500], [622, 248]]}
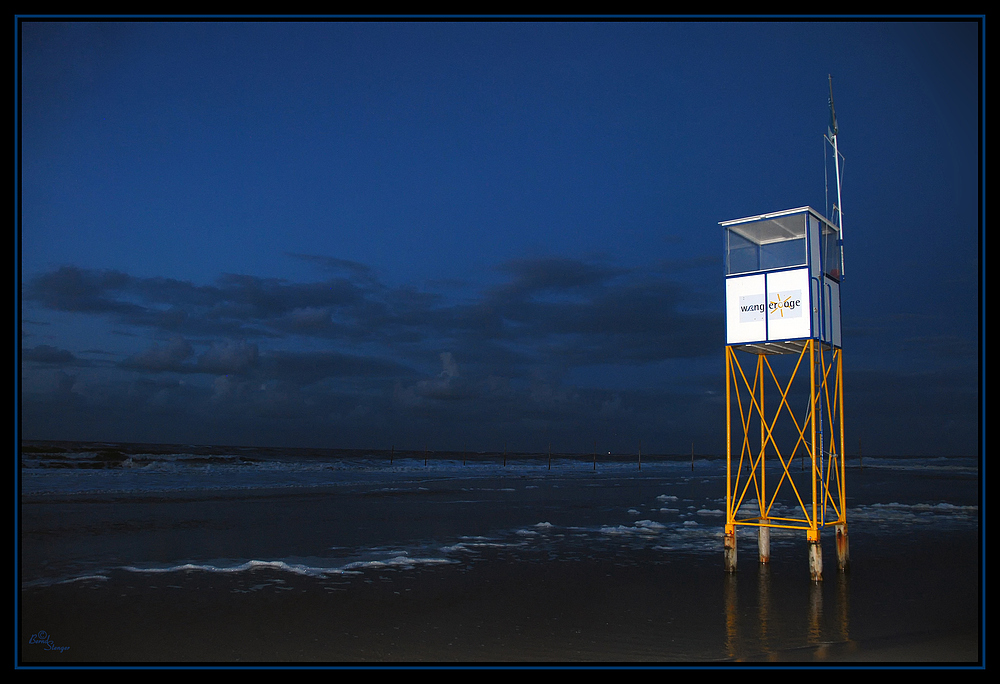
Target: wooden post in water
{"points": [[425, 454], [595, 454], [392, 452]]}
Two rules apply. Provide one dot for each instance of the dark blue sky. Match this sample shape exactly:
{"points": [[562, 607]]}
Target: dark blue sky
{"points": [[451, 234]]}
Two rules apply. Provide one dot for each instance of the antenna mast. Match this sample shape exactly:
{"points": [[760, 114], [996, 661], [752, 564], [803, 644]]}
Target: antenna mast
{"points": [[832, 139]]}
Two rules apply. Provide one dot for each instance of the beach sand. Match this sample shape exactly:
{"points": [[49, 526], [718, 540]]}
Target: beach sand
{"points": [[504, 611]]}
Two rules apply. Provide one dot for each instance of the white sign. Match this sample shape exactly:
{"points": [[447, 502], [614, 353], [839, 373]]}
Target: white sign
{"points": [[768, 307], [788, 305], [745, 304]]}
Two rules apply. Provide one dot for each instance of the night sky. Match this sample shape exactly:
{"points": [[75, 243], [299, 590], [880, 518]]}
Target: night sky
{"points": [[476, 234]]}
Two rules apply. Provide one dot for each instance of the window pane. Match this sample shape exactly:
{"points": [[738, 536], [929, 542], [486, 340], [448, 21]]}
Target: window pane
{"points": [[831, 256], [743, 254], [782, 254]]}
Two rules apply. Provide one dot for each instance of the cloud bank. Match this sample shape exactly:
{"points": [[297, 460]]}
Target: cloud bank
{"points": [[561, 350]]}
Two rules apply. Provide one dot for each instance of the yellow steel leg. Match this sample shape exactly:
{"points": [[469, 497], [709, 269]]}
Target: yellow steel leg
{"points": [[729, 543], [763, 532], [826, 482]]}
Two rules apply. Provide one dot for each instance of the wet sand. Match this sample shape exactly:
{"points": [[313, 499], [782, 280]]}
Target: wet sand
{"points": [[497, 611]]}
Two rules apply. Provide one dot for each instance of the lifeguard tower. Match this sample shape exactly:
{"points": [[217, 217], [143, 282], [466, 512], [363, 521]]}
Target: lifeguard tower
{"points": [[783, 335]]}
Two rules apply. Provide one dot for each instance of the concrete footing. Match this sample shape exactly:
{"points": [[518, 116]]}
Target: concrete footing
{"points": [[764, 549], [843, 549], [729, 551], [815, 560], [764, 544]]}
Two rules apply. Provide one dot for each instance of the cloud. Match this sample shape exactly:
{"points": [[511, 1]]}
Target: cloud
{"points": [[74, 289], [557, 310], [304, 368], [309, 320], [236, 306], [169, 357], [227, 357], [223, 357], [450, 371], [589, 315], [446, 386], [264, 356], [532, 276], [355, 270], [44, 353]]}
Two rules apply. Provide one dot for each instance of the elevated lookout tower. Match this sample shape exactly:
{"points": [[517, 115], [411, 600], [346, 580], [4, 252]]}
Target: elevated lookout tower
{"points": [[783, 277]]}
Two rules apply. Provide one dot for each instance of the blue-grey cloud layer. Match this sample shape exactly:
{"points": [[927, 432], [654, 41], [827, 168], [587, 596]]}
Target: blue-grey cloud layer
{"points": [[270, 352], [345, 360]]}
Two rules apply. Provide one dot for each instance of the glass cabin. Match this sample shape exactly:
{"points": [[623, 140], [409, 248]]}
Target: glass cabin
{"points": [[783, 273]]}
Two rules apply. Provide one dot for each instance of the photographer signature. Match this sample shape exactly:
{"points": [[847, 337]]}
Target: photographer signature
{"points": [[43, 638]]}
